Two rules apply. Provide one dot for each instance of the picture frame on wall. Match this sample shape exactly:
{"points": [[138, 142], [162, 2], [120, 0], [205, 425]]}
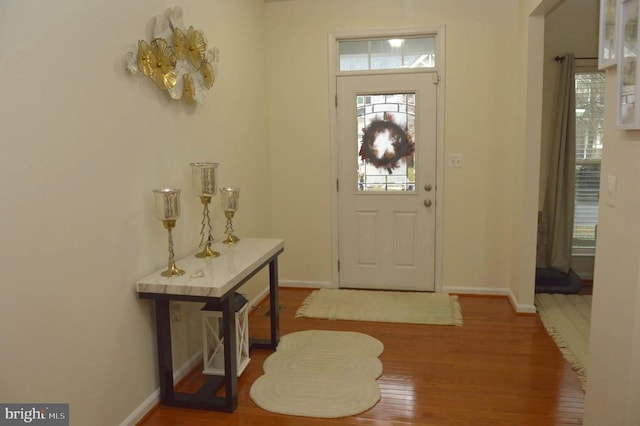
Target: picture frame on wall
{"points": [[607, 56], [628, 76]]}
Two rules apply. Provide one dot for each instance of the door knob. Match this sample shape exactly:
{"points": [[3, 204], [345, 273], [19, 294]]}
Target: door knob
{"points": [[427, 203], [427, 187]]}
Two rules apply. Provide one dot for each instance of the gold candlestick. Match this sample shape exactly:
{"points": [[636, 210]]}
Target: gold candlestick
{"points": [[230, 202], [167, 202], [205, 186]]}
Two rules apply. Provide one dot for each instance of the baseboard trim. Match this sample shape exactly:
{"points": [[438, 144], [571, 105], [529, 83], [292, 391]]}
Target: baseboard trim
{"points": [[520, 308], [153, 399], [306, 284]]}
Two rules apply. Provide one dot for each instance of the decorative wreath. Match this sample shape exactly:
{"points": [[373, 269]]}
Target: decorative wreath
{"points": [[385, 143]]}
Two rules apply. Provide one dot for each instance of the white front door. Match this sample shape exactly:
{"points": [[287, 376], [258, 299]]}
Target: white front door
{"points": [[387, 181]]}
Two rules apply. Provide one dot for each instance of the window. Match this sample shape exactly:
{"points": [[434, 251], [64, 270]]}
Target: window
{"points": [[589, 91], [386, 130], [387, 53]]}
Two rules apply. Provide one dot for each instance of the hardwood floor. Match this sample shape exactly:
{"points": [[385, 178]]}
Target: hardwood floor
{"points": [[498, 369]]}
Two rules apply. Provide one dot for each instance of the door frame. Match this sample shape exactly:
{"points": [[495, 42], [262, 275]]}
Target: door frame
{"points": [[333, 37]]}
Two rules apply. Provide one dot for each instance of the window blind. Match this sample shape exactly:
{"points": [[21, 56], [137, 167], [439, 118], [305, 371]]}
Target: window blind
{"points": [[589, 90]]}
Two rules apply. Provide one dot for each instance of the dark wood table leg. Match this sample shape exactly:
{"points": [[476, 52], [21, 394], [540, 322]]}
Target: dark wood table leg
{"points": [[205, 399], [274, 301], [165, 359], [274, 311]]}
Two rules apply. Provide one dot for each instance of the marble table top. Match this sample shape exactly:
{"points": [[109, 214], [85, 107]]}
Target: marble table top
{"points": [[213, 277]]}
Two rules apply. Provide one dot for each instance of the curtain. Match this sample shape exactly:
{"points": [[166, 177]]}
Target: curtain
{"points": [[559, 201]]}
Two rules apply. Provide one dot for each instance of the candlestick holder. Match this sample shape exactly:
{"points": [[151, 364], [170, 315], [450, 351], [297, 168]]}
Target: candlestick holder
{"points": [[205, 186], [230, 198], [167, 202]]}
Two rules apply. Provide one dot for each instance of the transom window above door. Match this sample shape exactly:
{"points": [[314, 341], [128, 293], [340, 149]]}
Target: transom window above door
{"points": [[387, 53]]}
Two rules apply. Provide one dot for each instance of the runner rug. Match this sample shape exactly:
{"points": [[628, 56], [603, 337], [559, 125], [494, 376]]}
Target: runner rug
{"points": [[320, 373], [382, 306], [567, 319]]}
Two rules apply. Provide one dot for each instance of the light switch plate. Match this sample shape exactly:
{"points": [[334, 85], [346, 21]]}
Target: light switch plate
{"points": [[455, 160], [611, 190]]}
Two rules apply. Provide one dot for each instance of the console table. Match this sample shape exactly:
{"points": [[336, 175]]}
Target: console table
{"points": [[212, 280]]}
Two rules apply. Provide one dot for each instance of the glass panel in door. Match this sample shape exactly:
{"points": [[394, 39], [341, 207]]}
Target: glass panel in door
{"points": [[386, 142]]}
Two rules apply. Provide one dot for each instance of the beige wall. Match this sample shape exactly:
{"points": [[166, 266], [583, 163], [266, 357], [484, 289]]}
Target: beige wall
{"points": [[613, 390], [83, 144], [526, 151], [480, 124]]}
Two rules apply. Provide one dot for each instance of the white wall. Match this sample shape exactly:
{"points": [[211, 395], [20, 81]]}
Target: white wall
{"points": [[83, 144], [480, 115]]}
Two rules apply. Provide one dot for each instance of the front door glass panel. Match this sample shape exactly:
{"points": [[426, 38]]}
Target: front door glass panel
{"points": [[386, 142]]}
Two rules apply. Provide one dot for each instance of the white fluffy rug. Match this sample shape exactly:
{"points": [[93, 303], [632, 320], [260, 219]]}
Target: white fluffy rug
{"points": [[320, 373], [382, 306], [567, 319]]}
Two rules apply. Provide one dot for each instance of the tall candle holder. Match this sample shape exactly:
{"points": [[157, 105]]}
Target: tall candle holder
{"points": [[230, 198], [167, 202], [205, 186]]}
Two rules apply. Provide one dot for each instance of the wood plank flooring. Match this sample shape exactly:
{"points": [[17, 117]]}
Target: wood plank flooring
{"points": [[498, 369]]}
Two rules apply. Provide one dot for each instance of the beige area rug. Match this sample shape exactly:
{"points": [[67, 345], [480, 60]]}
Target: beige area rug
{"points": [[320, 373], [382, 306], [567, 319]]}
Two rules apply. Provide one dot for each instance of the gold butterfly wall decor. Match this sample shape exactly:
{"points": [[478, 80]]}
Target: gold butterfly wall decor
{"points": [[177, 61]]}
